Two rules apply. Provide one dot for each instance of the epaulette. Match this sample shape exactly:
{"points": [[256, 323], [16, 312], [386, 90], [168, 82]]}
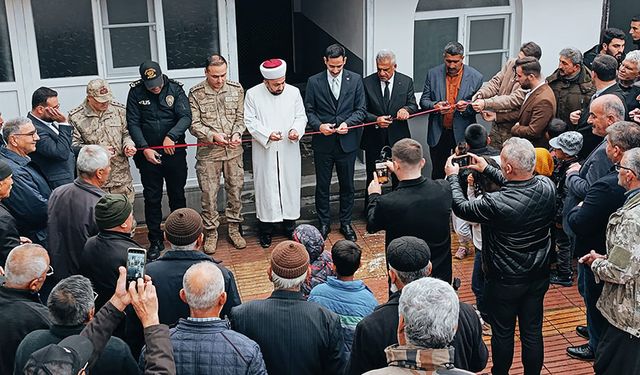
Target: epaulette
{"points": [[198, 86], [76, 110], [135, 83], [118, 104], [234, 84], [174, 81]]}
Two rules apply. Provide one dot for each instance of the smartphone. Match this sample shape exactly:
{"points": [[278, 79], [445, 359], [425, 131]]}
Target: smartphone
{"points": [[462, 160], [136, 261], [382, 172]]}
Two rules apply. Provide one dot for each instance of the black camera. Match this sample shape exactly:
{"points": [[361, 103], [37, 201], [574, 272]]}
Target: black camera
{"points": [[382, 172]]}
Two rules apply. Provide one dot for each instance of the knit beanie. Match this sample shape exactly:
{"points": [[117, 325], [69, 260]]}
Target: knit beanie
{"points": [[5, 170], [112, 210], [408, 254], [289, 260], [183, 226]]}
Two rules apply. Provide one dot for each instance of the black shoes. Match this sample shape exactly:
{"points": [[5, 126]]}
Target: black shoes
{"points": [[154, 250], [583, 332], [582, 352], [265, 240], [561, 280], [348, 232], [324, 230]]}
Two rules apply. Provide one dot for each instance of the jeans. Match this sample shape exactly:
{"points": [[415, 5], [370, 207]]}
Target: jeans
{"points": [[590, 292], [564, 251], [505, 303]]}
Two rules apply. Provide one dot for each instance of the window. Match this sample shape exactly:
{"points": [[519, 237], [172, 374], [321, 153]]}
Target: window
{"points": [[483, 29], [129, 31], [6, 59], [66, 45]]}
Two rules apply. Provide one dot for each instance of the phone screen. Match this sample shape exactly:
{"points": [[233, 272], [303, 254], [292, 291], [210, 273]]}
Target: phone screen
{"points": [[136, 260]]}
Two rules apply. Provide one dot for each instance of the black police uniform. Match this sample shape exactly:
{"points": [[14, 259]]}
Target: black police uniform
{"points": [[151, 118]]}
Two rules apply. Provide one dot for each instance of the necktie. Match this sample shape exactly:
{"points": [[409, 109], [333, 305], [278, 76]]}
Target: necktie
{"points": [[385, 96], [335, 88]]}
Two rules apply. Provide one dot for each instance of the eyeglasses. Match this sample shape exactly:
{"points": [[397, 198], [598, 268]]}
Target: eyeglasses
{"points": [[32, 134], [95, 296], [50, 271], [619, 167]]}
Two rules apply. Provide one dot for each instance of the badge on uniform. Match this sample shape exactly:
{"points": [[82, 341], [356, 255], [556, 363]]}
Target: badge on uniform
{"points": [[170, 100]]}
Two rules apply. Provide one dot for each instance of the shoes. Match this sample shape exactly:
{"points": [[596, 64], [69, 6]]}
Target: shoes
{"points": [[582, 352], [324, 230], [461, 253], [583, 332], [561, 280], [348, 232], [154, 250], [211, 242], [265, 240], [236, 237]]}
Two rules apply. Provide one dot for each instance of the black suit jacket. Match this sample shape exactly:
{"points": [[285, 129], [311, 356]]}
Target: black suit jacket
{"points": [[295, 336], [322, 108], [419, 208], [402, 96], [54, 154]]}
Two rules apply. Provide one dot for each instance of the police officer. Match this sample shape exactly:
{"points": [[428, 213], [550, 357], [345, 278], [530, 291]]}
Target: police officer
{"points": [[217, 106], [102, 121], [158, 114]]}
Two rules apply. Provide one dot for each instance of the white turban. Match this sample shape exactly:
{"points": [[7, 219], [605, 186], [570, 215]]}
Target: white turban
{"points": [[273, 69]]}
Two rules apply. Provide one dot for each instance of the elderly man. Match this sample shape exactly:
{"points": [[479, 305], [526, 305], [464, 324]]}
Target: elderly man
{"points": [[537, 110], [158, 114], [218, 117], [571, 84], [285, 321], [628, 75], [611, 43], [71, 211], [71, 306], [426, 326], [30, 192], [619, 271], [9, 235], [274, 115], [448, 88], [409, 260], [21, 310], [106, 251], [102, 121], [390, 101], [53, 153], [502, 93], [515, 249], [588, 220], [203, 341]]}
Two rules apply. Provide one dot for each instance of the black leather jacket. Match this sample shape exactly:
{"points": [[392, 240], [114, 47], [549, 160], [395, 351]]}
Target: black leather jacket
{"points": [[515, 226]]}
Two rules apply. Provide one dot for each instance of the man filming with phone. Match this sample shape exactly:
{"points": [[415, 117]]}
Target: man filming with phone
{"points": [[403, 212]]}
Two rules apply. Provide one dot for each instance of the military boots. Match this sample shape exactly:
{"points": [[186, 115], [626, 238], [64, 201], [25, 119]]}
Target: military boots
{"points": [[210, 241], [235, 236]]}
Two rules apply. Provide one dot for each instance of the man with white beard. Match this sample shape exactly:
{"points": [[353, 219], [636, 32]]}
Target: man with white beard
{"points": [[275, 116]]}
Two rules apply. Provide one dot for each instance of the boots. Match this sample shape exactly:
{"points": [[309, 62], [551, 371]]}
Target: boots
{"points": [[236, 237], [210, 241]]}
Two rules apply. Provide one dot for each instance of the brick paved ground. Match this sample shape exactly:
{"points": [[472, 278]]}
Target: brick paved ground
{"points": [[563, 307]]}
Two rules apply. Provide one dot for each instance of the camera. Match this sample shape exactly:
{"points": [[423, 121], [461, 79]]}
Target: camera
{"points": [[461, 158], [382, 172]]}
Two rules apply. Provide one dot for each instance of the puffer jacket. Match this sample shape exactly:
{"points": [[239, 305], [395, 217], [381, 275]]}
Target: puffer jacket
{"points": [[211, 347], [515, 226], [571, 94]]}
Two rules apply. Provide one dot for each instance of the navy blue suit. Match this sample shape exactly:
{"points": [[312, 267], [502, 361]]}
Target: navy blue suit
{"points": [[336, 149], [54, 154]]}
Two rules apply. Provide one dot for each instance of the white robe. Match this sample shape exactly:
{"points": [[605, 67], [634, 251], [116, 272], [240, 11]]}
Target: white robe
{"points": [[276, 164]]}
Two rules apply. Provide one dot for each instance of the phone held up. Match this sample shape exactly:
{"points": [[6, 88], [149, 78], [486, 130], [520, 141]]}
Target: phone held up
{"points": [[382, 172], [461, 158], [136, 261]]}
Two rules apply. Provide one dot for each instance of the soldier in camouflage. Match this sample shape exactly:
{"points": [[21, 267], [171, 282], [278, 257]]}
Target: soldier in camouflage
{"points": [[218, 116], [102, 121], [619, 347]]}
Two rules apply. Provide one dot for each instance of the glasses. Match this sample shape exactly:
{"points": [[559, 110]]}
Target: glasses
{"points": [[619, 167], [32, 134], [50, 271], [95, 296]]}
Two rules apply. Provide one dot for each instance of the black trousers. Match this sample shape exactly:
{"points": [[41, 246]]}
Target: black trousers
{"points": [[267, 228], [504, 303], [618, 353], [441, 152], [173, 171], [345, 164]]}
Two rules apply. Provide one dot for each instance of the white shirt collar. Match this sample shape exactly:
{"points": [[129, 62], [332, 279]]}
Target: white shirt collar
{"points": [[339, 77], [390, 84]]}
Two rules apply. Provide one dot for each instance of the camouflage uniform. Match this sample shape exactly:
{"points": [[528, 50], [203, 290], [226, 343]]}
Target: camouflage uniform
{"points": [[620, 272], [108, 129], [219, 112]]}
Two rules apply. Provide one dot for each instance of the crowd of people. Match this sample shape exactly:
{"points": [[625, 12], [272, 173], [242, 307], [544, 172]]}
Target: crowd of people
{"points": [[555, 179]]}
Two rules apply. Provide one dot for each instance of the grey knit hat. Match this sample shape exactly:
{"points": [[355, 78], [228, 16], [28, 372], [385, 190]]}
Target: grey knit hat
{"points": [[408, 254]]}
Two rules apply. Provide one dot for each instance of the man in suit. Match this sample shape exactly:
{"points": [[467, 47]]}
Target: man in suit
{"points": [[389, 94], [334, 101], [53, 152], [448, 88], [419, 207], [538, 108]]}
